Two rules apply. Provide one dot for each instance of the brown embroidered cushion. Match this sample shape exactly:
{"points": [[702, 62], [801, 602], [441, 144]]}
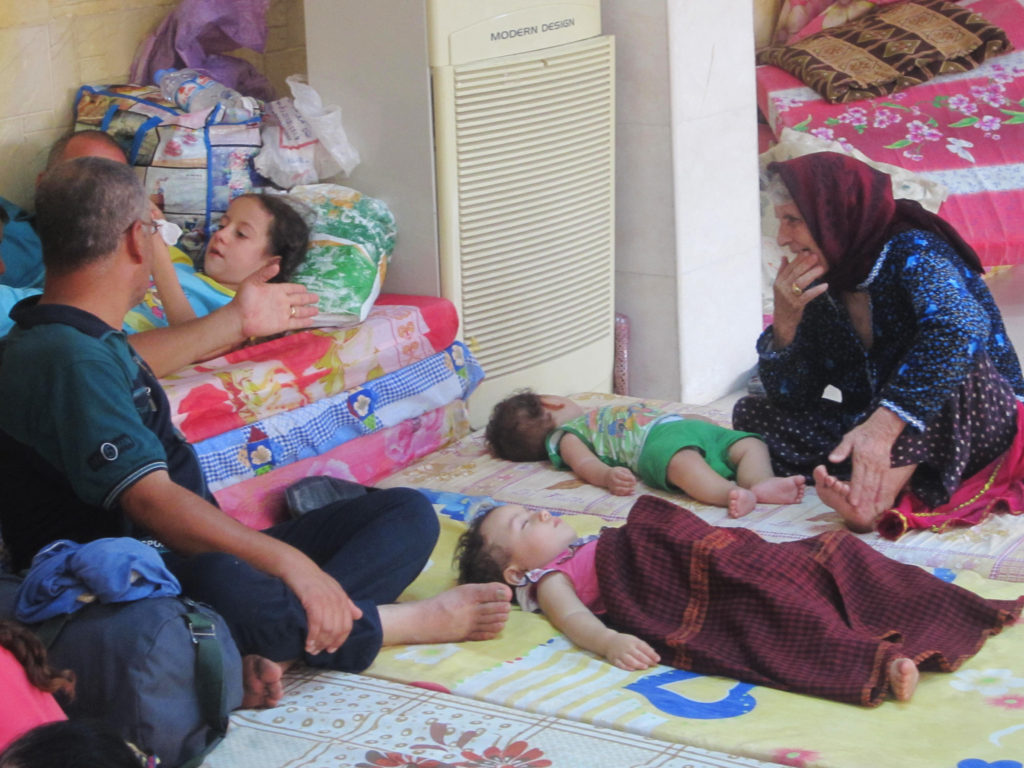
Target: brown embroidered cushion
{"points": [[889, 49]]}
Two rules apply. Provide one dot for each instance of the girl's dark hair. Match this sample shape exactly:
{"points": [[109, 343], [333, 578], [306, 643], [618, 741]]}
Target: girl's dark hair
{"points": [[518, 428], [70, 744], [477, 561], [289, 234], [29, 651]]}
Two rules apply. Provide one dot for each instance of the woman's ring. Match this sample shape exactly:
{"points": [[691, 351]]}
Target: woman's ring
{"points": [[797, 290], [293, 308]]}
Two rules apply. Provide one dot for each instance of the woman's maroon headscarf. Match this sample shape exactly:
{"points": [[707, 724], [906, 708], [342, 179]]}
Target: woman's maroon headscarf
{"points": [[850, 211]]}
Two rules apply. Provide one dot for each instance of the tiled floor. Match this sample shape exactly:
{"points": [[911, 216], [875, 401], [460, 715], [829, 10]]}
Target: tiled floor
{"points": [[1007, 286]]}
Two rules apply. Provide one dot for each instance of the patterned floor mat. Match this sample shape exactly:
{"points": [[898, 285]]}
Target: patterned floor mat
{"points": [[343, 721]]}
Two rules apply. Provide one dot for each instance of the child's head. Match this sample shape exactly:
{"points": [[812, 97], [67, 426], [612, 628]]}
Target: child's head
{"points": [[255, 231], [506, 542], [26, 647], [520, 424], [71, 744]]}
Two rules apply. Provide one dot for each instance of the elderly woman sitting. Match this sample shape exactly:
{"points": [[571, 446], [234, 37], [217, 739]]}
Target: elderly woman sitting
{"points": [[885, 302]]}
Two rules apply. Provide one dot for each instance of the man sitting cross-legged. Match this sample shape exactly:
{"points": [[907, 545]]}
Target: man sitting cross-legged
{"points": [[87, 450]]}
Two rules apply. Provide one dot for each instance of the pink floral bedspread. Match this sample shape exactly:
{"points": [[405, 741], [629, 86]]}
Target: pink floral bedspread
{"points": [[965, 131], [283, 374]]}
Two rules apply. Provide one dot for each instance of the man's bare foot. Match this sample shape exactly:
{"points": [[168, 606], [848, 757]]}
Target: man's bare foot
{"points": [[741, 502], [836, 494], [466, 612], [780, 490], [261, 680], [903, 677]]}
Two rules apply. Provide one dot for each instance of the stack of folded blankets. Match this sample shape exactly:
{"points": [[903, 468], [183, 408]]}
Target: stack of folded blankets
{"points": [[356, 403]]}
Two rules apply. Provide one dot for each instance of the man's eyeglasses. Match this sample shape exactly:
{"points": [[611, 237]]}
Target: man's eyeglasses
{"points": [[152, 226]]}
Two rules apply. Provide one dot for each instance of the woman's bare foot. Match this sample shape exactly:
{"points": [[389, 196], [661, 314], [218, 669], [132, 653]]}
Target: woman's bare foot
{"points": [[261, 681], [466, 612], [780, 490], [836, 494], [741, 502], [903, 677]]}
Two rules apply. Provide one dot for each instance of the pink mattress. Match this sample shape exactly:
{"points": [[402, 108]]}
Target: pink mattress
{"points": [[965, 131], [259, 501], [290, 372]]}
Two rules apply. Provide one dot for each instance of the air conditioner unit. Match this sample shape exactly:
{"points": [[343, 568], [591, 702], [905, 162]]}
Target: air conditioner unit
{"points": [[488, 128]]}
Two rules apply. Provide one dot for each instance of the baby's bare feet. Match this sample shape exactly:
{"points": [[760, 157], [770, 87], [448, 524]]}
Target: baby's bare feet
{"points": [[780, 490], [261, 681], [741, 502], [903, 677]]}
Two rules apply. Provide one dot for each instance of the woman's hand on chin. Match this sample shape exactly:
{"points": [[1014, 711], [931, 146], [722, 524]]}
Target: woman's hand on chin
{"points": [[793, 291]]}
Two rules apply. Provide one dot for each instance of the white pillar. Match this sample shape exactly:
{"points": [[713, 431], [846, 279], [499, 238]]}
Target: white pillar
{"points": [[714, 147]]}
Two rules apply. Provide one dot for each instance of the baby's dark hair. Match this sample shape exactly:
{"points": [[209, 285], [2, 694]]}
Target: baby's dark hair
{"points": [[518, 427], [288, 234], [478, 561]]}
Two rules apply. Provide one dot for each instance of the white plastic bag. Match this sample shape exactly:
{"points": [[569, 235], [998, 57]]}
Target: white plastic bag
{"points": [[303, 142]]}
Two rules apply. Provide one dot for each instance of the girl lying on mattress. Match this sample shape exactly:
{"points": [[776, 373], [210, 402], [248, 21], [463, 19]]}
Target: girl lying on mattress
{"points": [[255, 231], [826, 616]]}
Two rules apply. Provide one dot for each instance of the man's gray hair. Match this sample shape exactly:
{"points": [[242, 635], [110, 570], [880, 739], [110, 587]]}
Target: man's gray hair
{"points": [[82, 208]]}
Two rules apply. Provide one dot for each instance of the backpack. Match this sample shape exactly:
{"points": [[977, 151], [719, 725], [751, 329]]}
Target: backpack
{"points": [[164, 672]]}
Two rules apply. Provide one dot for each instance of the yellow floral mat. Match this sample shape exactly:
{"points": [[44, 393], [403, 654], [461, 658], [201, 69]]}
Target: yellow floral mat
{"points": [[973, 718]]}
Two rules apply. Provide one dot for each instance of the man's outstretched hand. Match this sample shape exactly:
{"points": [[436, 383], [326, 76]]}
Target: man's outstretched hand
{"points": [[266, 309]]}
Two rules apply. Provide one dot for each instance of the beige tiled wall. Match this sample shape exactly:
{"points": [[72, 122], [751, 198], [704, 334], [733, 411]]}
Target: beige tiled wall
{"points": [[50, 47]]}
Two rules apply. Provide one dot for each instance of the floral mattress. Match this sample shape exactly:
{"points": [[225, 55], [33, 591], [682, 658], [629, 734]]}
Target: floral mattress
{"points": [[292, 371], [311, 430], [964, 131], [259, 501], [394, 385]]}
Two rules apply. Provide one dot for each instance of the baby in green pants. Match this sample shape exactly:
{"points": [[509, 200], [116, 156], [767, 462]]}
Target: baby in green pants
{"points": [[612, 445]]}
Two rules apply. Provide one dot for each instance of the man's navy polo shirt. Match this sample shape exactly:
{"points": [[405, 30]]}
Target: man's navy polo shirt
{"points": [[82, 418]]}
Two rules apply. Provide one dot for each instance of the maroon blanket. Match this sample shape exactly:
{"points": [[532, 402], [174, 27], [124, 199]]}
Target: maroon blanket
{"points": [[822, 616]]}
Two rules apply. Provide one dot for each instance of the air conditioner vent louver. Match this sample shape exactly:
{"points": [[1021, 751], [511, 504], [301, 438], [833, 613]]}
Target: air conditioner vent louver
{"points": [[533, 172], [488, 129]]}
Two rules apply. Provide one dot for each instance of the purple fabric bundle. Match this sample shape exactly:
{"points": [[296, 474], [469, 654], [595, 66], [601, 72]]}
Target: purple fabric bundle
{"points": [[198, 33]]}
